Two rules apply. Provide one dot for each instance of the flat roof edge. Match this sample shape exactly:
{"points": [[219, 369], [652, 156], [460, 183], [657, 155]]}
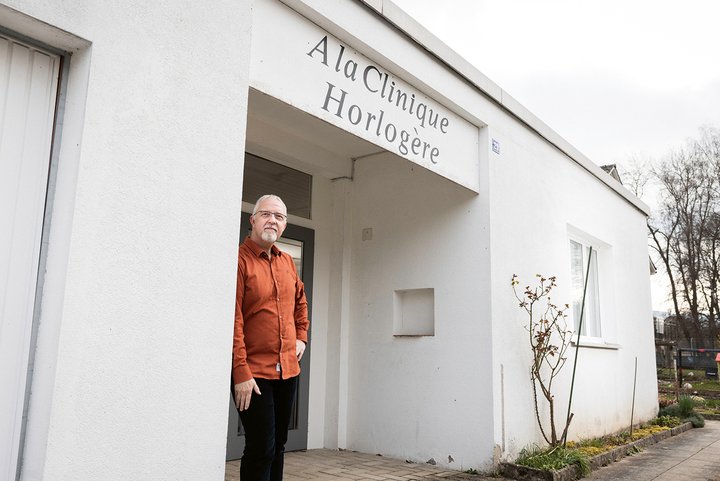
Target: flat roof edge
{"points": [[436, 47]]}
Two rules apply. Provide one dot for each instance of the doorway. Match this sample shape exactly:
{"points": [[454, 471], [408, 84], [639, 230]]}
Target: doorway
{"points": [[299, 242]]}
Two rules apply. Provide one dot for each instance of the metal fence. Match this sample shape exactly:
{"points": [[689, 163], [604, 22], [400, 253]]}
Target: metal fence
{"points": [[706, 360]]}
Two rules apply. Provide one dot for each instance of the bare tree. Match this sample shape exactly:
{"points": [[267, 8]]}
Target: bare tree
{"points": [[685, 234], [549, 340]]}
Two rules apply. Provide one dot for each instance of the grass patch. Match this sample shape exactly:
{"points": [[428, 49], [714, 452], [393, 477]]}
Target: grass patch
{"points": [[707, 406], [665, 374], [553, 459], [696, 378], [702, 405], [685, 404], [579, 452], [712, 386], [595, 446]]}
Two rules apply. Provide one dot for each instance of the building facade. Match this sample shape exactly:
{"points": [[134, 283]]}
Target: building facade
{"points": [[134, 135]]}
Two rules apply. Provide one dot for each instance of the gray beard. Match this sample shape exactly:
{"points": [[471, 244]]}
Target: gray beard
{"points": [[268, 236]]}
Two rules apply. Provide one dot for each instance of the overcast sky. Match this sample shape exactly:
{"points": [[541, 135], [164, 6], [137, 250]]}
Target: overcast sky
{"points": [[615, 78]]}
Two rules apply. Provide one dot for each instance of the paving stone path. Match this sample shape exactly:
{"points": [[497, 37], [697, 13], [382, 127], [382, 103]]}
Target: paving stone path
{"points": [[691, 456]]}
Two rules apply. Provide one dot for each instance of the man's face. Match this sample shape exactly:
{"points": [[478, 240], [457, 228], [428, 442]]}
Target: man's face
{"points": [[266, 227]]}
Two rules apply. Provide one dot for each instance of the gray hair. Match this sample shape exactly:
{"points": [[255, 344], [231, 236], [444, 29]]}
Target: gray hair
{"points": [[265, 197]]}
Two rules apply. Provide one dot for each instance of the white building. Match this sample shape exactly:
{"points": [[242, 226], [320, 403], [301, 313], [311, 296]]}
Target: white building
{"points": [[416, 186]]}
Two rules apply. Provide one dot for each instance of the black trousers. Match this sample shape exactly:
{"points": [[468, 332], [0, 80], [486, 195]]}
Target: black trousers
{"points": [[266, 424]]}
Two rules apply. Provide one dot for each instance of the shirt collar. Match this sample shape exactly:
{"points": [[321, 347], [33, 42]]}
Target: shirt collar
{"points": [[257, 250]]}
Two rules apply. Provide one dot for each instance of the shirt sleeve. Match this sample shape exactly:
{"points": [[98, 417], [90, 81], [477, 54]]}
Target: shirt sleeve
{"points": [[240, 369], [301, 311]]}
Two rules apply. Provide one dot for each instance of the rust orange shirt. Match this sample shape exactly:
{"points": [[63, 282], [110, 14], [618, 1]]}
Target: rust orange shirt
{"points": [[270, 314]]}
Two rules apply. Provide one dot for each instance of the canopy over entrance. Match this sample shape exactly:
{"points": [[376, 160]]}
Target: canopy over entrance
{"points": [[371, 98]]}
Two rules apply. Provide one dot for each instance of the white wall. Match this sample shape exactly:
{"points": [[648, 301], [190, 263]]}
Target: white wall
{"points": [[135, 334], [419, 397], [537, 196], [334, 366], [537, 191]]}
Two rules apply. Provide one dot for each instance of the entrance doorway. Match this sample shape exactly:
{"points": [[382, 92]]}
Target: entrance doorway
{"points": [[299, 242]]}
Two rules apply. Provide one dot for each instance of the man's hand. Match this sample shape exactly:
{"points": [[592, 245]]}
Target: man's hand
{"points": [[299, 348], [243, 393]]}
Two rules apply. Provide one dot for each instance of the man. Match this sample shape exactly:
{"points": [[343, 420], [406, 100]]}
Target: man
{"points": [[271, 325]]}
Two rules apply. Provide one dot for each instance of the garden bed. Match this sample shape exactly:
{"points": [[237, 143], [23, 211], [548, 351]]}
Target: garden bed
{"points": [[524, 473]]}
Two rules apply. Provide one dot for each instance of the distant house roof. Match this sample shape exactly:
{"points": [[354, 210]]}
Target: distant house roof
{"points": [[612, 170]]}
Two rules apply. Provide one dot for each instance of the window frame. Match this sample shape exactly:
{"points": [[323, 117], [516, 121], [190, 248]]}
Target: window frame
{"points": [[593, 313], [606, 286]]}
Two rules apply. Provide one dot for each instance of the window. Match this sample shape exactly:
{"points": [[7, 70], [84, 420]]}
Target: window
{"points": [[265, 177], [580, 258]]}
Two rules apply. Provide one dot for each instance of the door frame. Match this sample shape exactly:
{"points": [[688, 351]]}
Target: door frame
{"points": [[297, 436], [19, 319]]}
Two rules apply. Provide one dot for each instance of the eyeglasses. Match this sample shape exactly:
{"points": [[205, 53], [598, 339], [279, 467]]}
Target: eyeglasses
{"points": [[266, 214]]}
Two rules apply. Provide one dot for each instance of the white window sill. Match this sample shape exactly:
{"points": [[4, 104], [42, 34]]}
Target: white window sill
{"points": [[595, 343]]}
